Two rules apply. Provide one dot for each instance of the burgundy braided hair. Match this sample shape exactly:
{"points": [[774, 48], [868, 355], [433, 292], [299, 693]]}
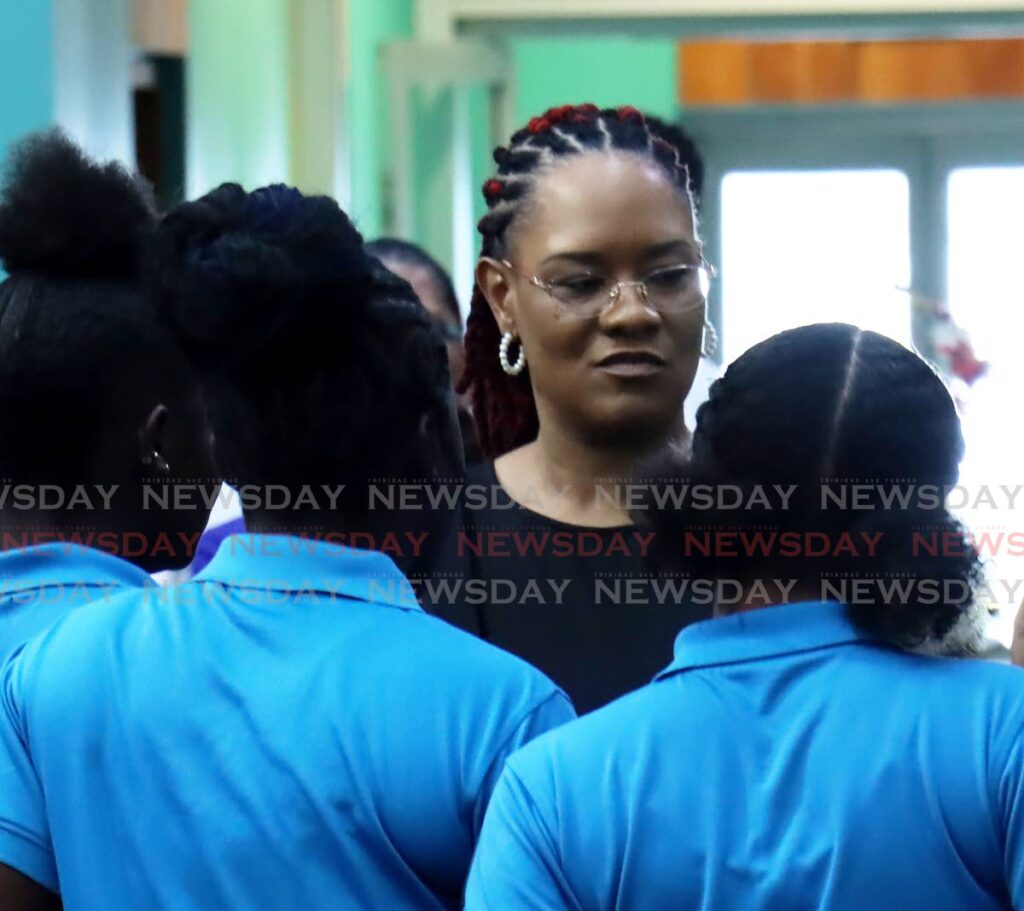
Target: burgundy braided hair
{"points": [[503, 406]]}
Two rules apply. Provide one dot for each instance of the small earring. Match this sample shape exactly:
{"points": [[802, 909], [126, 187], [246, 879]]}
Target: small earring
{"points": [[156, 462], [511, 369], [709, 340]]}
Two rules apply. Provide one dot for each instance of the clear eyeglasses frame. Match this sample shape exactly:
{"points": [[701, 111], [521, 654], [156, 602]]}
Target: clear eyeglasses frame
{"points": [[672, 289]]}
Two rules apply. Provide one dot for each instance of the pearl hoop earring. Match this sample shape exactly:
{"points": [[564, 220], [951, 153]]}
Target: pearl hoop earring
{"points": [[511, 369]]}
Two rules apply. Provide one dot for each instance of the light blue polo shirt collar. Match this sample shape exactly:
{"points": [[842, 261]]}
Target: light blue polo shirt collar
{"points": [[764, 633], [288, 563], [66, 564]]}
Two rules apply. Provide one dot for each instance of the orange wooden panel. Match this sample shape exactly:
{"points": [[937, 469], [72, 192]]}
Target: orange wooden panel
{"points": [[774, 73], [882, 71], [920, 70], [714, 72], [998, 68], [830, 70]]}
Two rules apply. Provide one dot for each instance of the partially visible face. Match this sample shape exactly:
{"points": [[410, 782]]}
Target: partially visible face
{"points": [[629, 368], [431, 297]]}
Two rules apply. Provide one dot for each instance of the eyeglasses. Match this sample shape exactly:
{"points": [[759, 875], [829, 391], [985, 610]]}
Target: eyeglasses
{"points": [[585, 295]]}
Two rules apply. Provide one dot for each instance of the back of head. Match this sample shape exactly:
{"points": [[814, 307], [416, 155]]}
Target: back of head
{"points": [[317, 366], [843, 418], [82, 357], [394, 252], [830, 400]]}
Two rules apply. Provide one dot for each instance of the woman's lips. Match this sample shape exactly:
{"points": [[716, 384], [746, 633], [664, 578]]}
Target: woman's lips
{"points": [[632, 363]]}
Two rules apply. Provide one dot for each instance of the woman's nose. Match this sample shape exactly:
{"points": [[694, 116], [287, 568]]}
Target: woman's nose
{"points": [[629, 309]]}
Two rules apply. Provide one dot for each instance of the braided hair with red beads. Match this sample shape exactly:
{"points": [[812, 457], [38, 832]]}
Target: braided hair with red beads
{"points": [[503, 406]]}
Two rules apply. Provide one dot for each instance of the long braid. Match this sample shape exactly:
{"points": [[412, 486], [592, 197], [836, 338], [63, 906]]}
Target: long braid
{"points": [[503, 406]]}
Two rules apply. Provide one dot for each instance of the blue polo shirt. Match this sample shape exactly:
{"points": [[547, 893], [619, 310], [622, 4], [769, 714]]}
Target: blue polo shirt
{"points": [[289, 730], [42, 584], [783, 761]]}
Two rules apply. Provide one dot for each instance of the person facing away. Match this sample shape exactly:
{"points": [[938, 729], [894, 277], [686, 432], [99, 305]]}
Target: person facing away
{"points": [[583, 338], [96, 405], [433, 286], [290, 729], [820, 753]]}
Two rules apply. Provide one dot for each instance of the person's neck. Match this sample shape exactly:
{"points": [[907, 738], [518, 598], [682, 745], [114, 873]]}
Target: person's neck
{"points": [[800, 591], [578, 481], [414, 539]]}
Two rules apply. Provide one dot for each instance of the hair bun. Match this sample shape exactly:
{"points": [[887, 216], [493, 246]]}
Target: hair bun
{"points": [[271, 270], [64, 215]]}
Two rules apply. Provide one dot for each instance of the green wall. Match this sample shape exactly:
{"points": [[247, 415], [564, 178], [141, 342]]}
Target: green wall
{"points": [[237, 84], [371, 24], [606, 71]]}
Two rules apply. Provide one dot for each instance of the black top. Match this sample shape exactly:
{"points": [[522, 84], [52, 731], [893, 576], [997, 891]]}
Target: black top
{"points": [[576, 602]]}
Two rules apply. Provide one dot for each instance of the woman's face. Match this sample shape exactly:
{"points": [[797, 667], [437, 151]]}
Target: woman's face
{"points": [[627, 368], [432, 298]]}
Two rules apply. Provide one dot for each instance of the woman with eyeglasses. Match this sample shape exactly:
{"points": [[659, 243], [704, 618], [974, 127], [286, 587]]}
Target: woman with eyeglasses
{"points": [[583, 339]]}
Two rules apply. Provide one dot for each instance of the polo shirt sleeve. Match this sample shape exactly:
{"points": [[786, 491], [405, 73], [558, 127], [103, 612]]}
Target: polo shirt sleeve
{"points": [[554, 711], [517, 864], [1010, 778], [24, 831]]}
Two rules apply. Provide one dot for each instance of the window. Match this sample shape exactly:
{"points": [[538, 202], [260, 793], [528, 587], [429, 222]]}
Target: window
{"points": [[802, 247], [986, 297]]}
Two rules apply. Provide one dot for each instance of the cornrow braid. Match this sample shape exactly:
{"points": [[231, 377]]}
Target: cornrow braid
{"points": [[503, 406], [831, 407]]}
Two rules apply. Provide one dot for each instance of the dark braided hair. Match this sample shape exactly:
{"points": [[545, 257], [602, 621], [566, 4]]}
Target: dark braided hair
{"points": [[689, 154], [316, 362], [503, 407], [79, 338], [824, 406]]}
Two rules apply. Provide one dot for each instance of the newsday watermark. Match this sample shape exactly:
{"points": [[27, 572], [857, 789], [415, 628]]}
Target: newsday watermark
{"points": [[627, 496], [636, 592], [497, 544]]}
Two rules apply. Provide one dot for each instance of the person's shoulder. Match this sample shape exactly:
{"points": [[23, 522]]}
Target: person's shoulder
{"points": [[64, 657], [991, 679], [94, 620], [593, 743], [964, 689], [987, 676]]}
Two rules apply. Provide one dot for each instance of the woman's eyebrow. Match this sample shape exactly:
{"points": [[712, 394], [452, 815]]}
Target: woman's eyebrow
{"points": [[680, 246], [586, 259], [672, 246]]}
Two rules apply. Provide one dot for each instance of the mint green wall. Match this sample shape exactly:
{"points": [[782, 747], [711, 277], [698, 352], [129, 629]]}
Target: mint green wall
{"points": [[237, 85], [372, 23], [26, 68], [606, 71]]}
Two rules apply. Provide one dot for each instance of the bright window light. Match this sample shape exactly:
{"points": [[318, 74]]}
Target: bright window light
{"points": [[803, 247], [986, 297]]}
